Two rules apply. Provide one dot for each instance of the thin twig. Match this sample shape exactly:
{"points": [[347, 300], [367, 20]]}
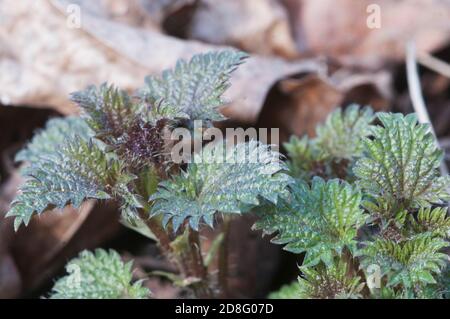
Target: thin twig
{"points": [[415, 92], [434, 64]]}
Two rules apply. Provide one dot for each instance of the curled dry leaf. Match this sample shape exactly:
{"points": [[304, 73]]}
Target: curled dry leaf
{"points": [[156, 52], [296, 106], [342, 29], [258, 26], [130, 12], [56, 237], [253, 262], [43, 59], [145, 14], [10, 280], [61, 60], [159, 10]]}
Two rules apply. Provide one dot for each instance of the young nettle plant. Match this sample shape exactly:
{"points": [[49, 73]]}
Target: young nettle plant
{"points": [[331, 154], [381, 232], [118, 150], [363, 202]]}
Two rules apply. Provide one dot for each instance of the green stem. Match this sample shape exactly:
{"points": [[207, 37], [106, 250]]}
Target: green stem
{"points": [[198, 265], [185, 253], [163, 238]]}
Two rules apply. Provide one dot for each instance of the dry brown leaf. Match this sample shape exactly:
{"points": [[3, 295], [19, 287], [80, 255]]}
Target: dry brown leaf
{"points": [[60, 60], [257, 26], [156, 52], [296, 106], [146, 14], [42, 60], [160, 10], [253, 260], [10, 280], [59, 236], [132, 12], [56, 237], [339, 28]]}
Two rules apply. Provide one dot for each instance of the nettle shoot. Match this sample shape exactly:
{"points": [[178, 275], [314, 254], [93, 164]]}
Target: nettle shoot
{"points": [[120, 150], [99, 275], [372, 226], [363, 201]]}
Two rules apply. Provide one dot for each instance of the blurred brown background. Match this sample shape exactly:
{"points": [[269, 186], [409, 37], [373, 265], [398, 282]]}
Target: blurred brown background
{"points": [[307, 58]]}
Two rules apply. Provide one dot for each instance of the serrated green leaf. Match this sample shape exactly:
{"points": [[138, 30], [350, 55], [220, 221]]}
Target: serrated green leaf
{"points": [[56, 132], [108, 110], [401, 163], [99, 275], [341, 134], [320, 220], [431, 221], [289, 291], [414, 261], [331, 154], [305, 159], [221, 181], [77, 171], [329, 282], [193, 90]]}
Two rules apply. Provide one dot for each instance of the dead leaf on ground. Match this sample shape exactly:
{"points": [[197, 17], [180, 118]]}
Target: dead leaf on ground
{"points": [[257, 26], [296, 106], [131, 12], [24, 267], [156, 52], [340, 28], [61, 60], [42, 60], [10, 280]]}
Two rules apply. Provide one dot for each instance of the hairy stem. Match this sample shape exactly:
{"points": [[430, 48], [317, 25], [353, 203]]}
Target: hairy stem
{"points": [[185, 253], [198, 265], [164, 239]]}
